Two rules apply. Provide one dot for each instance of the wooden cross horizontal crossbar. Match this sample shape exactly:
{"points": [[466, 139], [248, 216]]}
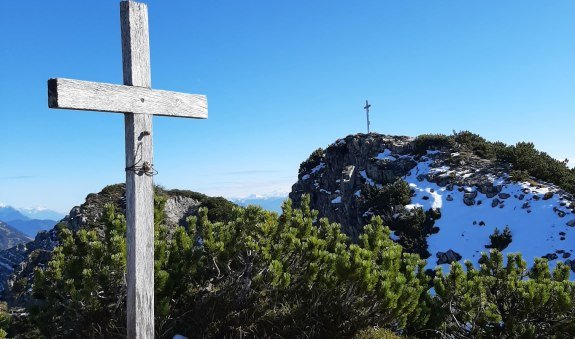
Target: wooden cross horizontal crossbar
{"points": [[96, 96]]}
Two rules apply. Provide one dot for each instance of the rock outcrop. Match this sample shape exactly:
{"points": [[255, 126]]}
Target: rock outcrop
{"points": [[472, 195], [17, 264], [336, 180]]}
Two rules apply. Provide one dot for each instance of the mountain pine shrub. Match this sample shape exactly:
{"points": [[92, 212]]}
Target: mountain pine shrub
{"points": [[413, 226], [499, 240], [312, 161], [525, 159], [256, 275], [426, 142], [503, 300]]}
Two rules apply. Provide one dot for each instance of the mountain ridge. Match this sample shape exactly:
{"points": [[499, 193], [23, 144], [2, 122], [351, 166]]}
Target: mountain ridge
{"points": [[10, 236]]}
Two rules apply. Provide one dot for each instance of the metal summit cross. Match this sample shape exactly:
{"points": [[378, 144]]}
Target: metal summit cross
{"points": [[366, 108], [138, 102]]}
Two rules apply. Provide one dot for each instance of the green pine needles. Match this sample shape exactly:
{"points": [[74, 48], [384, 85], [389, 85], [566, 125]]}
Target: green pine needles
{"points": [[505, 300], [260, 274]]}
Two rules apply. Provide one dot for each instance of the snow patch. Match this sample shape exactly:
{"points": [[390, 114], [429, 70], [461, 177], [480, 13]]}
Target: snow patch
{"points": [[339, 142], [318, 168], [367, 179], [386, 155]]}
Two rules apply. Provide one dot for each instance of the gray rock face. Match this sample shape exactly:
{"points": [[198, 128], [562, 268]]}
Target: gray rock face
{"points": [[351, 161], [178, 208]]}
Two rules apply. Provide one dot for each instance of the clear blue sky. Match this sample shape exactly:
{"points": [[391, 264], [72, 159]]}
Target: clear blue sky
{"points": [[282, 78]]}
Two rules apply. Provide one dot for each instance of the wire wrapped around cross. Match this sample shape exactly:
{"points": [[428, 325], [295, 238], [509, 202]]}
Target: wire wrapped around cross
{"points": [[145, 168], [142, 167]]}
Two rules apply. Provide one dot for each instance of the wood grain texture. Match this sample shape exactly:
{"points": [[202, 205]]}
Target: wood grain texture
{"points": [[94, 96], [139, 188], [135, 44], [140, 228]]}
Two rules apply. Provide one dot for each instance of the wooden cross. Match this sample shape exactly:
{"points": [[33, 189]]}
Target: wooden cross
{"points": [[138, 102], [366, 108]]}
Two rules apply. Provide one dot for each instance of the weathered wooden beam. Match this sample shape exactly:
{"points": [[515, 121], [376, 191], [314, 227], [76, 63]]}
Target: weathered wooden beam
{"points": [[95, 96], [139, 188]]}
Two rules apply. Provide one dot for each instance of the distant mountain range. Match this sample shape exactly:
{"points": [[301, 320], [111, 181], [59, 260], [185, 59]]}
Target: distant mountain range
{"points": [[270, 203], [41, 213], [10, 213], [29, 220]]}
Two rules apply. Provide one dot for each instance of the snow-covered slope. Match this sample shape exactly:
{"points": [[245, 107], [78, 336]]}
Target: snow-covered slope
{"points": [[473, 196], [537, 215]]}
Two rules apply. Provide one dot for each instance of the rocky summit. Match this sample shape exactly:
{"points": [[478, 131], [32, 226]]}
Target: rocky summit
{"points": [[17, 264], [468, 202]]}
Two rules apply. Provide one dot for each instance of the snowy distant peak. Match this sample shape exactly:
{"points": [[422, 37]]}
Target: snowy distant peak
{"points": [[9, 213], [262, 196], [29, 221], [36, 209], [271, 201], [41, 212]]}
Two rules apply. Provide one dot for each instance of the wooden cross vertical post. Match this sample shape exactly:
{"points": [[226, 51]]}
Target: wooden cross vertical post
{"points": [[138, 102], [139, 188], [366, 108]]}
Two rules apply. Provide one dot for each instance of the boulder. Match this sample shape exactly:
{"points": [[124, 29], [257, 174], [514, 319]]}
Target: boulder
{"points": [[550, 256], [469, 198], [447, 257], [494, 202]]}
